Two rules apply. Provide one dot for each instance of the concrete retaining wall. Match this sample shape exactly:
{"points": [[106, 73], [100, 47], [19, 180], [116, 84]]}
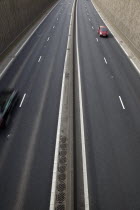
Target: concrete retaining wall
{"points": [[125, 15], [16, 15]]}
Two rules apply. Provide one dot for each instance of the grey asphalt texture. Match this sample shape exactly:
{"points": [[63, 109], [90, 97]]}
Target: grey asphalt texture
{"points": [[112, 134], [27, 145]]}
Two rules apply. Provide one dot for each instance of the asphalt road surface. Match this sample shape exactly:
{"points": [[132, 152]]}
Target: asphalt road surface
{"points": [[27, 145], [111, 103]]}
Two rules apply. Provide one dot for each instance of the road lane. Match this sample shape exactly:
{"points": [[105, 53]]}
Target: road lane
{"points": [[27, 145], [84, 161], [112, 133]]}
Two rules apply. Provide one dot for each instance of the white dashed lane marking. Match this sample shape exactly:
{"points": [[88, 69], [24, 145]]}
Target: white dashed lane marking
{"points": [[10, 62], [48, 39], [105, 60], [22, 100], [97, 39], [121, 102], [39, 59]]}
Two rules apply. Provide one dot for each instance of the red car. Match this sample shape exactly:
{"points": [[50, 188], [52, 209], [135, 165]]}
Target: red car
{"points": [[102, 31]]}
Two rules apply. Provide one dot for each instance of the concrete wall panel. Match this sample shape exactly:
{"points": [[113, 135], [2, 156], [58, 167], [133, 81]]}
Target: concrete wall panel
{"points": [[16, 15], [125, 15]]}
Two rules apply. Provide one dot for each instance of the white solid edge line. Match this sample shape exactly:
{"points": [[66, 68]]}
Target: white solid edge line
{"points": [[54, 178], [118, 41], [22, 100], [121, 102], [4, 70], [86, 195], [35, 30]]}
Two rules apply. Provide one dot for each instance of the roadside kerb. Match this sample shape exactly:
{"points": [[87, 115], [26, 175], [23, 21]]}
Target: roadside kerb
{"points": [[134, 60], [13, 55]]}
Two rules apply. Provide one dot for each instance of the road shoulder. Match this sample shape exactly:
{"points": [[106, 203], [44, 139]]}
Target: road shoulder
{"points": [[124, 43], [10, 54]]}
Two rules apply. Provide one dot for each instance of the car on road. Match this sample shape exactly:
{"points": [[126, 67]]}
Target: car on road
{"points": [[102, 31], [8, 101]]}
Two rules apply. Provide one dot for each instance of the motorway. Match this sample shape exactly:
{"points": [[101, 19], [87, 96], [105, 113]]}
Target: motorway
{"points": [[111, 107], [27, 145]]}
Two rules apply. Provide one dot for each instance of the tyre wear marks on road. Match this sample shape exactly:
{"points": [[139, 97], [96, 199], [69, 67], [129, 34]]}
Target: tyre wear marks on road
{"points": [[121, 102], [30, 153], [84, 162], [22, 100], [39, 59], [105, 60]]}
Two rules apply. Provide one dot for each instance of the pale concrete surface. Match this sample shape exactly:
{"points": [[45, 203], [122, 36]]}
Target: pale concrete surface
{"points": [[23, 37], [125, 15], [125, 44], [16, 15]]}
